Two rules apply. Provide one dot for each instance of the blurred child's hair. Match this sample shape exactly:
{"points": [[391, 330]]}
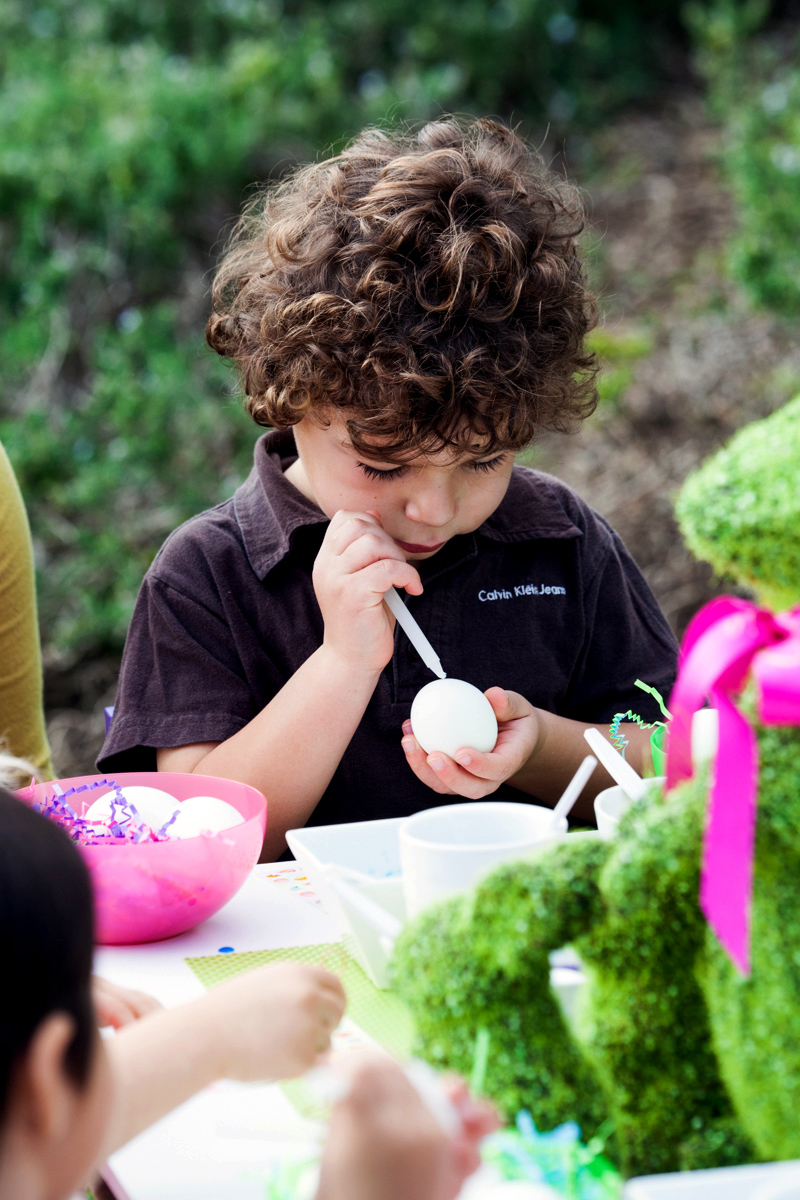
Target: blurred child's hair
{"points": [[46, 938], [429, 284]]}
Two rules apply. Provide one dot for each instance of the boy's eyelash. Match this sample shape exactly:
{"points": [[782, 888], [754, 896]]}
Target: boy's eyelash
{"points": [[490, 464], [377, 473]]}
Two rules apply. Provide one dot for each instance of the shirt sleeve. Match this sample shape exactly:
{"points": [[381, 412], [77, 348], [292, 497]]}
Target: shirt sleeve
{"points": [[627, 637], [181, 681]]}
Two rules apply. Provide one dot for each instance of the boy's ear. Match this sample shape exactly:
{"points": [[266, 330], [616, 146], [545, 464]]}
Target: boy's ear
{"points": [[44, 1098]]}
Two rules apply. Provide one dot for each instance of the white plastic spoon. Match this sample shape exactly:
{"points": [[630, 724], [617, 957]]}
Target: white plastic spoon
{"points": [[413, 632], [574, 788], [620, 771]]}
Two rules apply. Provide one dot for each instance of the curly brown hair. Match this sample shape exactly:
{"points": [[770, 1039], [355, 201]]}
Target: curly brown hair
{"points": [[428, 284]]}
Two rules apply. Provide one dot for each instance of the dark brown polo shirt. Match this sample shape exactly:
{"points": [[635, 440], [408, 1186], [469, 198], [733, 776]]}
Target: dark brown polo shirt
{"points": [[542, 599]]}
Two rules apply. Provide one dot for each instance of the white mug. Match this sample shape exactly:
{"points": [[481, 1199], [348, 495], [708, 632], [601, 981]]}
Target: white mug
{"points": [[611, 805], [446, 850]]}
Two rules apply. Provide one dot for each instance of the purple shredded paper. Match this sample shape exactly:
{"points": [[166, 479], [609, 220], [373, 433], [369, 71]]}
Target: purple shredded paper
{"points": [[122, 826]]}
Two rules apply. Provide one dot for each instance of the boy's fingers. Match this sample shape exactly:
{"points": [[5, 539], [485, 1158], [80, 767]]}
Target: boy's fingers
{"points": [[494, 767], [440, 773], [367, 550], [508, 706], [380, 576], [459, 781], [417, 759], [346, 528]]}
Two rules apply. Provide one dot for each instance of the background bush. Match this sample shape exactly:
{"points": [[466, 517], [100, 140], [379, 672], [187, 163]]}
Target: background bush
{"points": [[130, 131], [754, 89]]}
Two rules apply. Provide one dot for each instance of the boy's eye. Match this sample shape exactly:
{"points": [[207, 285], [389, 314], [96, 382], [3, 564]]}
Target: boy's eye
{"points": [[377, 473], [489, 464]]}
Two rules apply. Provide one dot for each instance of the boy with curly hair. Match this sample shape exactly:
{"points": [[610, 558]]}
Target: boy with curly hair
{"points": [[405, 316]]}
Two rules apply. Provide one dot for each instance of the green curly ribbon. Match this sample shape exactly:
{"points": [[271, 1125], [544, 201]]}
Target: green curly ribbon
{"points": [[618, 738], [657, 695]]}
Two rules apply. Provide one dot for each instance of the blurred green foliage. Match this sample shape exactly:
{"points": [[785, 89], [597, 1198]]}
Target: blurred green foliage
{"points": [[130, 131], [618, 351], [754, 89]]}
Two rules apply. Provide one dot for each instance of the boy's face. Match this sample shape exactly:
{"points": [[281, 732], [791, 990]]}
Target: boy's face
{"points": [[421, 504]]}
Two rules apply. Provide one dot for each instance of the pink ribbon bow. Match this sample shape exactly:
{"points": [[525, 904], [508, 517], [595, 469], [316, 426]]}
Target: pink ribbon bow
{"points": [[727, 639]]}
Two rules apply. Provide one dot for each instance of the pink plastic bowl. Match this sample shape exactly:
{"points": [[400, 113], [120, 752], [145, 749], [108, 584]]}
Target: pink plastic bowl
{"points": [[155, 890]]}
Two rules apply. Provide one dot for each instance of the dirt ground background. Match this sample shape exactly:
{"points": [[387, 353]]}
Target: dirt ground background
{"points": [[660, 215]]}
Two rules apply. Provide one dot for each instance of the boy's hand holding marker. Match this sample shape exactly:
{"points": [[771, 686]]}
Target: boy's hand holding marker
{"points": [[357, 564]]}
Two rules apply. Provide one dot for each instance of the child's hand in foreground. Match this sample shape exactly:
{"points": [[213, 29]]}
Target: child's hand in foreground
{"points": [[357, 563], [275, 1022], [473, 774], [118, 1006], [272, 1023], [385, 1144]]}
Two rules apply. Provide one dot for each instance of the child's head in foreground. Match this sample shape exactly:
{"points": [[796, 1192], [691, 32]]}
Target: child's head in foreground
{"points": [[54, 1079], [417, 300]]}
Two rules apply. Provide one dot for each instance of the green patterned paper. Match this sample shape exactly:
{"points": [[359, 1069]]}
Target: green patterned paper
{"points": [[380, 1014]]}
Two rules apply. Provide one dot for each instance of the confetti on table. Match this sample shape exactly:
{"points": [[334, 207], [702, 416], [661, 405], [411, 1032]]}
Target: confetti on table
{"points": [[292, 878]]}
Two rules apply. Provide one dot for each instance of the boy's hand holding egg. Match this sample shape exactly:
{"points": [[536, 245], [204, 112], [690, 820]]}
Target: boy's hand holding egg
{"points": [[472, 771], [357, 564]]}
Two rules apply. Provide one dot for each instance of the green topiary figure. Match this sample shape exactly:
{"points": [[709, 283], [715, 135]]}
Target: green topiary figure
{"points": [[740, 511], [696, 1064], [644, 1054]]}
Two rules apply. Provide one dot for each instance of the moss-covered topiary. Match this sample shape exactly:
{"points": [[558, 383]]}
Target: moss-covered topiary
{"points": [[481, 962], [740, 511], [644, 1055]]}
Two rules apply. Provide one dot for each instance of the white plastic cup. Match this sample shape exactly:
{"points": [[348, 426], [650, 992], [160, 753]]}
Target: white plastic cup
{"points": [[446, 850], [705, 736], [611, 805]]}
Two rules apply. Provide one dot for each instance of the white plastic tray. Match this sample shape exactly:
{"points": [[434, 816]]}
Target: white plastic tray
{"points": [[762, 1181]]}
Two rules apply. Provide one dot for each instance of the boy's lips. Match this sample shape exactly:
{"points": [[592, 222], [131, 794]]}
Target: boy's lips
{"points": [[412, 548]]}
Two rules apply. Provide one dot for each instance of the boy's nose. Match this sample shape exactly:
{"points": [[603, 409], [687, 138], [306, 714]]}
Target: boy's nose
{"points": [[433, 506]]}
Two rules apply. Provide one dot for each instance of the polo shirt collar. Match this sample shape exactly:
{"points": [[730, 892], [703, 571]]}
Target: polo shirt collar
{"points": [[269, 508]]}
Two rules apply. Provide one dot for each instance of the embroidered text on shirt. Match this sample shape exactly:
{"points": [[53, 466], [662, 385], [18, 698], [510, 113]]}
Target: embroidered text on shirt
{"points": [[524, 589]]}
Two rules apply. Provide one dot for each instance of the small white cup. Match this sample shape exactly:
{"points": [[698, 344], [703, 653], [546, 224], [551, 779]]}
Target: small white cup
{"points": [[611, 805], [445, 850]]}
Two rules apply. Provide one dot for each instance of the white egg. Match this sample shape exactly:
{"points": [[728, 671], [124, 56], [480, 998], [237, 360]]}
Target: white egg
{"points": [[450, 714], [154, 806], [203, 814]]}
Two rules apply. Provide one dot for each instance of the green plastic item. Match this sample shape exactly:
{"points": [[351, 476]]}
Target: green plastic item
{"points": [[658, 749]]}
